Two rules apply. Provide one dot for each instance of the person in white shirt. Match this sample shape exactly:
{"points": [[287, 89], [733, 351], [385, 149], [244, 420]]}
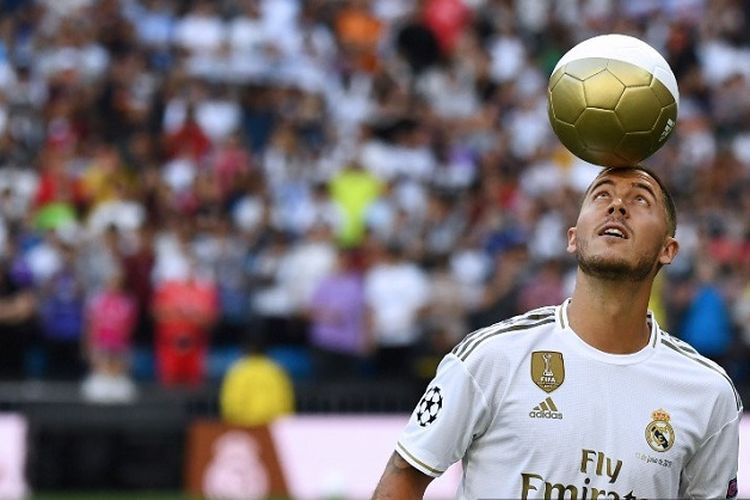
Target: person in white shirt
{"points": [[589, 399], [397, 293], [200, 30]]}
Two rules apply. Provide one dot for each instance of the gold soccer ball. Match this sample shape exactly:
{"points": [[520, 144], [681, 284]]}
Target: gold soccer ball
{"points": [[612, 100]]}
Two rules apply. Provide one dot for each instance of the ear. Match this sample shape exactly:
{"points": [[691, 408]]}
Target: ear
{"points": [[572, 240], [669, 251]]}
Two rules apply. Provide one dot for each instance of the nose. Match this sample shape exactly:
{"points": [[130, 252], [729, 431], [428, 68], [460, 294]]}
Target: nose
{"points": [[617, 206]]}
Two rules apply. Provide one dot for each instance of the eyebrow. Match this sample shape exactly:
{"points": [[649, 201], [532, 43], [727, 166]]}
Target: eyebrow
{"points": [[641, 185], [645, 186], [601, 183]]}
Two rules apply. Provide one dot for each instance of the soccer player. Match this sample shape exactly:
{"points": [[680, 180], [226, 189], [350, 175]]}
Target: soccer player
{"points": [[588, 399]]}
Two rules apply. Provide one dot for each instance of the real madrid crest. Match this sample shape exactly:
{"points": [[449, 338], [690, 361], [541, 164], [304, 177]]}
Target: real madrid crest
{"points": [[547, 370], [659, 432]]}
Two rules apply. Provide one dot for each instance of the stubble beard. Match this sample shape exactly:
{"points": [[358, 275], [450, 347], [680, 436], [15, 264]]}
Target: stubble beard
{"points": [[605, 269]]}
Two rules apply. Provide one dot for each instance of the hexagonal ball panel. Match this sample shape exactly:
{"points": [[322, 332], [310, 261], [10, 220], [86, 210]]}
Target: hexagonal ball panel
{"points": [[599, 129], [568, 137], [629, 74], [586, 68], [566, 99], [605, 158], [638, 109], [555, 77], [662, 93], [602, 90], [636, 146]]}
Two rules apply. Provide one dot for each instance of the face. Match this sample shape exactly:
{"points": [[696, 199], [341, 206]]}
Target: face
{"points": [[622, 232]]}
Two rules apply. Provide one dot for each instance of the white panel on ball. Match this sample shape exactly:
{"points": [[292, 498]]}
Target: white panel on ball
{"points": [[627, 49]]}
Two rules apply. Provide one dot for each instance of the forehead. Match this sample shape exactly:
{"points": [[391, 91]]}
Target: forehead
{"points": [[627, 177]]}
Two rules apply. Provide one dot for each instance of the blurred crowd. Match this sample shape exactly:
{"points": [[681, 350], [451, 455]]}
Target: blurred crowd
{"points": [[349, 186]]}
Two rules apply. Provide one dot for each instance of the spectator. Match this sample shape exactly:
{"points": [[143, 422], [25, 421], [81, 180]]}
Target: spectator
{"points": [[17, 309], [297, 271], [138, 265], [201, 29], [56, 183], [447, 19], [543, 287], [155, 22], [231, 164], [218, 114], [247, 33], [708, 312], [111, 316], [445, 317], [61, 311], [225, 253], [741, 317], [416, 42], [354, 189], [358, 32], [338, 327], [272, 306], [121, 211], [99, 259], [184, 309], [502, 293], [188, 140], [396, 293]]}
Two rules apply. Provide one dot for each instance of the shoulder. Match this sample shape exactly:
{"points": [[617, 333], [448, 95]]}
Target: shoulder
{"points": [[505, 334], [682, 353], [702, 369]]}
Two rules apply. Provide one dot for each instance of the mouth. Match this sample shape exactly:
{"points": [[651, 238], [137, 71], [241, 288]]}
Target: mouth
{"points": [[613, 230]]}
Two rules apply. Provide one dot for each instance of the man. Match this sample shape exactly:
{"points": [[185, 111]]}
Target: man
{"points": [[185, 309], [589, 399], [397, 294]]}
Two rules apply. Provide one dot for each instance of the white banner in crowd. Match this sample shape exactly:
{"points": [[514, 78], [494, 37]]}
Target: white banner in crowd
{"points": [[318, 456], [343, 456], [13, 436]]}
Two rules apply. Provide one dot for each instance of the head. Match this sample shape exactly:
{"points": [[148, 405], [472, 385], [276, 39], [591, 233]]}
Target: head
{"points": [[626, 226], [115, 281]]}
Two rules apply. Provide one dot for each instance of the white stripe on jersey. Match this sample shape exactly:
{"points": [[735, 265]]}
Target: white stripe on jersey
{"points": [[531, 318]]}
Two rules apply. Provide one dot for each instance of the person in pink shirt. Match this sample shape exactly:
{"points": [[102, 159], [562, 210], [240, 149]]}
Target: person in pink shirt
{"points": [[111, 316]]}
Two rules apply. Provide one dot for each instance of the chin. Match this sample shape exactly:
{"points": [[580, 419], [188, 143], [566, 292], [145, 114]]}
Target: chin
{"points": [[614, 268]]}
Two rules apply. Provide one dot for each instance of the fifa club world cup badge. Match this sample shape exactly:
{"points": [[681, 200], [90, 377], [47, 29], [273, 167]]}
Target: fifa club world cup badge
{"points": [[659, 432], [547, 370]]}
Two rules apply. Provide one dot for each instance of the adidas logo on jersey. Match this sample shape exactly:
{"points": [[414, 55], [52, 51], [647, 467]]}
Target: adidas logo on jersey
{"points": [[546, 409]]}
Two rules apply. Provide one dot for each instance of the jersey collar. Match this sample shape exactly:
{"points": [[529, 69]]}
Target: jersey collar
{"points": [[572, 338]]}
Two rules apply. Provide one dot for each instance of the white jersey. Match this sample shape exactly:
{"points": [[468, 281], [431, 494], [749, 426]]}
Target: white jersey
{"points": [[535, 412]]}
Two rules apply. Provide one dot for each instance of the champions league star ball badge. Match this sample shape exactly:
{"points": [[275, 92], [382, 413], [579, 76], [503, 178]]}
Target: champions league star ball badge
{"points": [[429, 406], [659, 432]]}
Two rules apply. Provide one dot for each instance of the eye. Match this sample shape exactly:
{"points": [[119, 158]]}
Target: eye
{"points": [[642, 199], [600, 195]]}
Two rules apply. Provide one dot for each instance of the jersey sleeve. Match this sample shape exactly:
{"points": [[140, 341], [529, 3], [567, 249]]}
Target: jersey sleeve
{"points": [[712, 470], [449, 415]]}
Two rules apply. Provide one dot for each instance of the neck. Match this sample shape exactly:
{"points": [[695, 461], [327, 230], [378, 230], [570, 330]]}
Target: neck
{"points": [[597, 305]]}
